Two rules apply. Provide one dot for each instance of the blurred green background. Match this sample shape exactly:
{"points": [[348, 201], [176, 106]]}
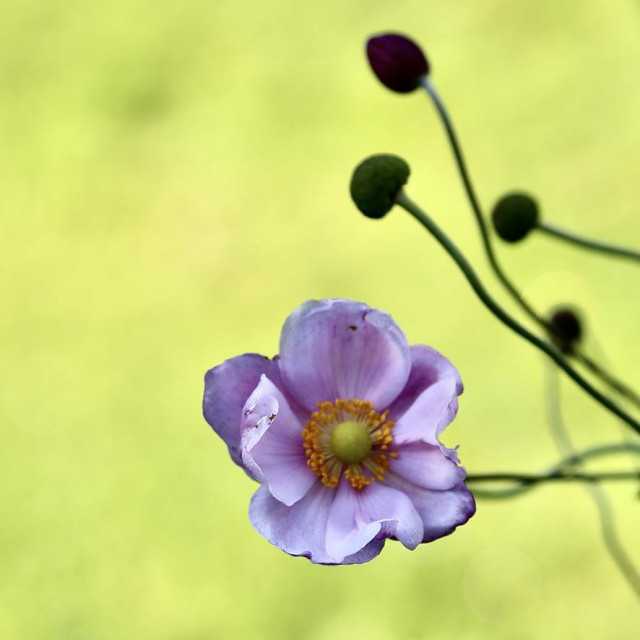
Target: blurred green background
{"points": [[173, 181]]}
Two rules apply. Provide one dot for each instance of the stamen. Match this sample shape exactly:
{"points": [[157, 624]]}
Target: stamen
{"points": [[359, 449]]}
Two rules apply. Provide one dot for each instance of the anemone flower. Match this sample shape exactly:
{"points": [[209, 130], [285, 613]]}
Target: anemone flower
{"points": [[341, 431]]}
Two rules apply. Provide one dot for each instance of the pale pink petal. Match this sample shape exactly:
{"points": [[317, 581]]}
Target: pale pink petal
{"points": [[441, 511], [342, 349], [227, 388], [301, 530], [358, 516], [431, 412], [428, 367], [426, 466], [435, 382], [272, 446]]}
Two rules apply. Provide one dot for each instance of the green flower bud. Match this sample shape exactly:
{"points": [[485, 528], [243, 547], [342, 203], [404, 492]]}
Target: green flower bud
{"points": [[375, 183], [514, 216]]}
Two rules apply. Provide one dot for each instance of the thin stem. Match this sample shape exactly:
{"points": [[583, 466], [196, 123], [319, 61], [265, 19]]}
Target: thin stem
{"points": [[565, 445], [612, 541], [475, 205], [579, 457], [626, 437], [588, 243], [555, 476], [569, 461], [488, 246], [403, 200], [624, 390]]}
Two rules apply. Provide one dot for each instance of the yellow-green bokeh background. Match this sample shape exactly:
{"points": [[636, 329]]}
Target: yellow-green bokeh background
{"points": [[173, 182]]}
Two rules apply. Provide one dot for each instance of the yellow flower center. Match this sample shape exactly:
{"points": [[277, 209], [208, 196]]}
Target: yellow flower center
{"points": [[348, 436], [351, 441]]}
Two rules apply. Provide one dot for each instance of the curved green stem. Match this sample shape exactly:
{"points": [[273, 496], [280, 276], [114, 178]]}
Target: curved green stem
{"points": [[588, 243], [447, 122], [565, 445], [567, 462], [475, 205], [597, 452], [403, 200], [624, 390], [556, 476]]}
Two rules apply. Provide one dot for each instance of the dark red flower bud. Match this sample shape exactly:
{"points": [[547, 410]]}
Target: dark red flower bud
{"points": [[397, 61]]}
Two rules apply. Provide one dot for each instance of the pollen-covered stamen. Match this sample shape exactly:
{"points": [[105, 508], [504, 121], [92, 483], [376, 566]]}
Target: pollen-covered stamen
{"points": [[350, 437]]}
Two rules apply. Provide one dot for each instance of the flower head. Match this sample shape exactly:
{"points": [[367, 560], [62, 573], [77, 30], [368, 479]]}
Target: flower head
{"points": [[397, 61], [341, 431]]}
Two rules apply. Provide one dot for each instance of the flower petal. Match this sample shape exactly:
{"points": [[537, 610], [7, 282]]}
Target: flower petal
{"points": [[431, 412], [441, 511], [272, 445], [368, 552], [426, 466], [358, 516], [342, 349], [428, 367], [300, 530], [226, 389]]}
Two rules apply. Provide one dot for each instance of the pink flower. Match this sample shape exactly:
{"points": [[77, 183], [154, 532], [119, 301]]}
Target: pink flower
{"points": [[341, 431]]}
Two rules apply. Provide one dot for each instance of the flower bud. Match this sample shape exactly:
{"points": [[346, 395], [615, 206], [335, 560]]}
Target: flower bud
{"points": [[514, 216], [566, 329], [397, 61], [375, 183]]}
